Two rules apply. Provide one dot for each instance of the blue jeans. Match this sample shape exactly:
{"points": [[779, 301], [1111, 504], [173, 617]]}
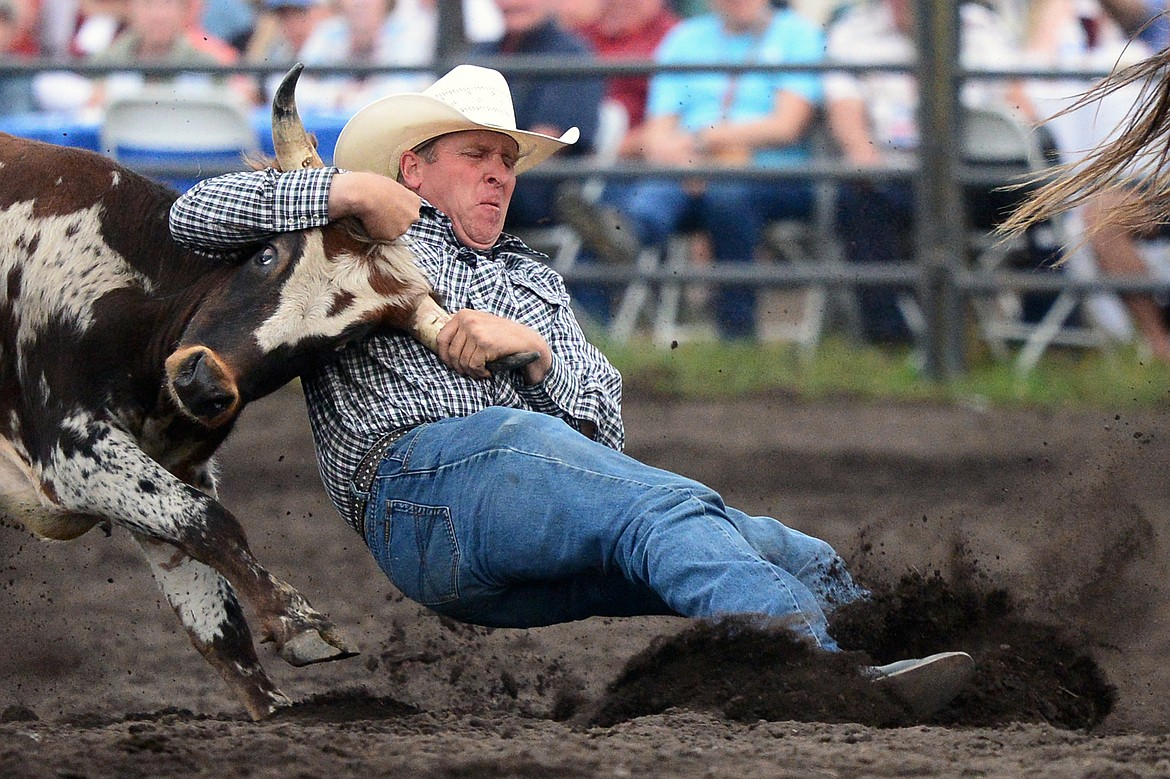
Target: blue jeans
{"points": [[511, 518], [734, 213]]}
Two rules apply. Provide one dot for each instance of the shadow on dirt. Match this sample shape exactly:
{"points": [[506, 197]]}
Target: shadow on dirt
{"points": [[345, 706]]}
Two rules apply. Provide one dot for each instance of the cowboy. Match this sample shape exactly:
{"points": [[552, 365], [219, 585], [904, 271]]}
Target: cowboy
{"points": [[505, 500]]}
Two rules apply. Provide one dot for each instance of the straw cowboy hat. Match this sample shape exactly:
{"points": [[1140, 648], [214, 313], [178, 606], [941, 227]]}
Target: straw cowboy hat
{"points": [[467, 98]]}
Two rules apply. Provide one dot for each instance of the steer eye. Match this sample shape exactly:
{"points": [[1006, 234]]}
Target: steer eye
{"points": [[267, 256]]}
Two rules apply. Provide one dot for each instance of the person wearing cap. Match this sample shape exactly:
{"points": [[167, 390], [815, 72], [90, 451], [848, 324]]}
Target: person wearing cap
{"points": [[505, 500], [283, 30], [280, 34]]}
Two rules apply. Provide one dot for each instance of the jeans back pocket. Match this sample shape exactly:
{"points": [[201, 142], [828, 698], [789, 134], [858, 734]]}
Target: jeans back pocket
{"points": [[419, 552]]}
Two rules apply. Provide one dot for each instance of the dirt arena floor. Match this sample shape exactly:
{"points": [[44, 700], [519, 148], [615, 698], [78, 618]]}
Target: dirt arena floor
{"points": [[1036, 540]]}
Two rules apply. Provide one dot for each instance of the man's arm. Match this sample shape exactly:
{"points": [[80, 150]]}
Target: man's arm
{"points": [[786, 124], [224, 214], [581, 385], [849, 125]]}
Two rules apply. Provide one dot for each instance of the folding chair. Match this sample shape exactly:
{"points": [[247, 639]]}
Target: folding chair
{"points": [[995, 138], [178, 138]]}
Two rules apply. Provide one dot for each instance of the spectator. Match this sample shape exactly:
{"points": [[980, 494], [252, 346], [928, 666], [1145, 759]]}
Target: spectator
{"points": [[1122, 184], [623, 29], [368, 32], [280, 35], [873, 118], [16, 95], [1077, 35], [547, 105], [159, 31], [756, 118], [629, 29], [1116, 243], [229, 20]]}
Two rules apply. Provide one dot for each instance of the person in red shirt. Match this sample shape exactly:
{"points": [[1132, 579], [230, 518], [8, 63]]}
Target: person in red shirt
{"points": [[629, 29]]}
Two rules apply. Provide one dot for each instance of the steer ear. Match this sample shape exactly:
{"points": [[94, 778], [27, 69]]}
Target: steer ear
{"points": [[294, 147]]}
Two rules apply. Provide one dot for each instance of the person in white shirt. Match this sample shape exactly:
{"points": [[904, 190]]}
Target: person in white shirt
{"points": [[872, 116]]}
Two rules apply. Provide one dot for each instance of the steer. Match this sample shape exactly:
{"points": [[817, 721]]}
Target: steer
{"points": [[125, 360]]}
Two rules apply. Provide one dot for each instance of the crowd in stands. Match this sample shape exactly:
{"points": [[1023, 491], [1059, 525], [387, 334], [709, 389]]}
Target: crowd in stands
{"points": [[757, 118]]}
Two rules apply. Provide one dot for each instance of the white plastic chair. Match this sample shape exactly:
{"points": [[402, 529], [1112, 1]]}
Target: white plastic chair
{"points": [[178, 137]]}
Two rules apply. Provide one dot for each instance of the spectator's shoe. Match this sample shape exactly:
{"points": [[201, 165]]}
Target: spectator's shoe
{"points": [[603, 230], [925, 685]]}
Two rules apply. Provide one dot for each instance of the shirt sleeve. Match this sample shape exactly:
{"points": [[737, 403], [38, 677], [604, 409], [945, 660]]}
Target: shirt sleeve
{"points": [[668, 91], [222, 215]]}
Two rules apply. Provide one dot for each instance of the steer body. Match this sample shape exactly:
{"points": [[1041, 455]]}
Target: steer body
{"points": [[124, 361]]}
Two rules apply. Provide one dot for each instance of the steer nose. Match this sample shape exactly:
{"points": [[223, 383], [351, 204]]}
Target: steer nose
{"points": [[201, 385]]}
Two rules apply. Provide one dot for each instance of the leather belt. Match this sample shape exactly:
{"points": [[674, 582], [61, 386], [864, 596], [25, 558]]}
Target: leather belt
{"points": [[363, 477]]}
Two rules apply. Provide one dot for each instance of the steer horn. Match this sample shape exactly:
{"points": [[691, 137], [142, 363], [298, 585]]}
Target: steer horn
{"points": [[295, 150]]}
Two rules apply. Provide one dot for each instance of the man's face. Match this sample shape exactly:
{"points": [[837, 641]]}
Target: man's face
{"points": [[524, 15], [159, 22], [296, 23], [471, 180], [740, 14]]}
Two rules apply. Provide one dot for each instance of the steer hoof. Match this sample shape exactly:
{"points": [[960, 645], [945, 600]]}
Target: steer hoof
{"points": [[314, 646], [262, 704]]}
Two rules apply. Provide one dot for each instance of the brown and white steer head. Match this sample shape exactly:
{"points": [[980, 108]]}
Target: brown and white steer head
{"points": [[300, 295]]}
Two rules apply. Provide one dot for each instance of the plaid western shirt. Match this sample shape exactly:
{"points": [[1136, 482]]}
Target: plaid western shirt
{"points": [[389, 380]]}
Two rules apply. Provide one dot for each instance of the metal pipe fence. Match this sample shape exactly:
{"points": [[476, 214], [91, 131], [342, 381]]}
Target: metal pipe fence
{"points": [[936, 270]]}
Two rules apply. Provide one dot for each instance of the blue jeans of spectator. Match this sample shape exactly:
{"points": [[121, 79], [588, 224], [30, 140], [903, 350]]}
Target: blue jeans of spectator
{"points": [[511, 518], [733, 212], [597, 299], [875, 223]]}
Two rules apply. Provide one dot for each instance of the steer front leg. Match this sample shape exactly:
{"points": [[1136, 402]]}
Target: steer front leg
{"points": [[207, 607], [103, 472]]}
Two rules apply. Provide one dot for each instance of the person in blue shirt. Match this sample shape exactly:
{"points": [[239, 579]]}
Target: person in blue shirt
{"points": [[755, 118], [547, 105]]}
